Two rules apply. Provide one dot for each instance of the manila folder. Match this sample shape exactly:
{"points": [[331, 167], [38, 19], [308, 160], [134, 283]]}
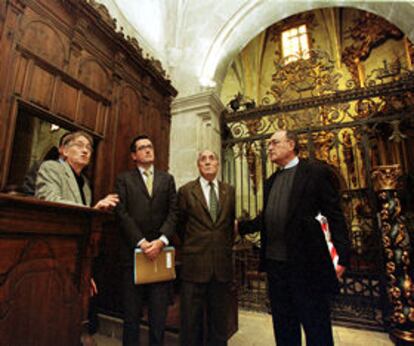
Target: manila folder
{"points": [[161, 269]]}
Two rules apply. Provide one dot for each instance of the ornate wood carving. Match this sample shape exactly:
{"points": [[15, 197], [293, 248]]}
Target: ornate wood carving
{"points": [[397, 250], [368, 32]]}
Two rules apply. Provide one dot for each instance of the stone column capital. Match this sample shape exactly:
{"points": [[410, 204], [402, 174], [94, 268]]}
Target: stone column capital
{"points": [[198, 103]]}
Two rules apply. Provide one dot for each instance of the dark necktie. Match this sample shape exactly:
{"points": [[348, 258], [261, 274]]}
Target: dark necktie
{"points": [[213, 202]]}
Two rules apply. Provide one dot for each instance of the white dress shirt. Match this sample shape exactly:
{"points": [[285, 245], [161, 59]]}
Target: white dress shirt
{"points": [[205, 186], [292, 163]]}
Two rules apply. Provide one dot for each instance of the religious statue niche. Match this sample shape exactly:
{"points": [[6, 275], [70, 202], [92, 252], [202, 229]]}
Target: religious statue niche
{"points": [[391, 143]]}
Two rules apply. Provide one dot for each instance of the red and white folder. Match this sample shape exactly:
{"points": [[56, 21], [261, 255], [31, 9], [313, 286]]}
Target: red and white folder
{"points": [[325, 228]]}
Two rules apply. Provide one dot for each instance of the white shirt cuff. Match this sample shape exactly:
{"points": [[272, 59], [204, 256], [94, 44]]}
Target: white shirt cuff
{"points": [[140, 242], [164, 239]]}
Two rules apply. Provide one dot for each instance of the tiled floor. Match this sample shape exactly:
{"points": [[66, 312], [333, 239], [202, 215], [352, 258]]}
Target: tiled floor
{"points": [[256, 330]]}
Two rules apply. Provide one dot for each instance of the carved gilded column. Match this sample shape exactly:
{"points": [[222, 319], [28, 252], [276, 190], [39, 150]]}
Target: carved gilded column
{"points": [[396, 243]]}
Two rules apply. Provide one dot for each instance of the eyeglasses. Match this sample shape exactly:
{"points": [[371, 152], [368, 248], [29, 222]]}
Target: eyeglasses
{"points": [[275, 142], [144, 147], [82, 146]]}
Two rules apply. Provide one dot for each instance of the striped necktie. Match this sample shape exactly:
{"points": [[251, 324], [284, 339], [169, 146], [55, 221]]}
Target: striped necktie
{"points": [[148, 181], [213, 202]]}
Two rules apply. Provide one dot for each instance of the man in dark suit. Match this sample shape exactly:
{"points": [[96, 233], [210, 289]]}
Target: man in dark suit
{"points": [[294, 252], [147, 214], [206, 227]]}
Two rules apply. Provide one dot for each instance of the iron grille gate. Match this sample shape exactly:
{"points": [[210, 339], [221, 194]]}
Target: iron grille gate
{"points": [[352, 130]]}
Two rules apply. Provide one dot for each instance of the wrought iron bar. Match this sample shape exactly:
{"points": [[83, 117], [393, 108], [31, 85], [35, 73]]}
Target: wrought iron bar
{"points": [[393, 88], [360, 122]]}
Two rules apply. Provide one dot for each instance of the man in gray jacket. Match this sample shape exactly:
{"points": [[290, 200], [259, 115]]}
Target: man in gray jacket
{"points": [[63, 182]]}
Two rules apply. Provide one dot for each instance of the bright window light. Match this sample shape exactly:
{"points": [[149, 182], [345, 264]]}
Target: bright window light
{"points": [[295, 44]]}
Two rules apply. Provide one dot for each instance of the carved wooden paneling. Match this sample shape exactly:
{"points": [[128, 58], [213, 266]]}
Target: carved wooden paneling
{"points": [[101, 119], [41, 87], [28, 316], [66, 100], [94, 76], [20, 74], [24, 250], [153, 123], [88, 111], [45, 270], [129, 124], [43, 40], [2, 17]]}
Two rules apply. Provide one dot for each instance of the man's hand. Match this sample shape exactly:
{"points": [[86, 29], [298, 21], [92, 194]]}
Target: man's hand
{"points": [[339, 271], [108, 203], [144, 245], [154, 249], [93, 289]]}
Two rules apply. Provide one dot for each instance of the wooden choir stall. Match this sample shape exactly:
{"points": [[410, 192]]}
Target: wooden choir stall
{"points": [[65, 66], [46, 255]]}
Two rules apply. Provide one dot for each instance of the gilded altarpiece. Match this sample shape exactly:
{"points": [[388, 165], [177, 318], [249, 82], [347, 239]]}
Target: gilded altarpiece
{"points": [[351, 103]]}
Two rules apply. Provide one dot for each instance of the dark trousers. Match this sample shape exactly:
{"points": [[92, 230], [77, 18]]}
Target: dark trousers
{"points": [[210, 299], [294, 304], [157, 302]]}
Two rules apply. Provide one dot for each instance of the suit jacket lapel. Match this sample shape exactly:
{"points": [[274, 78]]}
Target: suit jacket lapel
{"points": [[155, 183], [72, 184], [198, 193], [141, 184], [74, 187], [299, 182], [87, 192]]}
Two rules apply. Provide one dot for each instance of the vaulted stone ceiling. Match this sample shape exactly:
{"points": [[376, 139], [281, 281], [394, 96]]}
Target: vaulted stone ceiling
{"points": [[197, 40]]}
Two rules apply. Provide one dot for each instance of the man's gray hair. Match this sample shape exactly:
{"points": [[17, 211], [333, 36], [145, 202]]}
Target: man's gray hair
{"points": [[202, 151], [72, 136], [294, 138]]}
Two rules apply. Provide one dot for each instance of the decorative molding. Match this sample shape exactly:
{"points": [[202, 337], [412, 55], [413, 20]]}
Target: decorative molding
{"points": [[103, 13], [386, 177], [150, 63], [198, 102]]}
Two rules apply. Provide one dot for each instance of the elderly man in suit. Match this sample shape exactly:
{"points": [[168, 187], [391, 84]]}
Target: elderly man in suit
{"points": [[206, 227], [147, 214], [63, 182], [294, 252]]}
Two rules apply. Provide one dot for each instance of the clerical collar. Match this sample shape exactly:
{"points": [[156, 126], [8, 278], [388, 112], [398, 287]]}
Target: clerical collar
{"points": [[292, 163]]}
